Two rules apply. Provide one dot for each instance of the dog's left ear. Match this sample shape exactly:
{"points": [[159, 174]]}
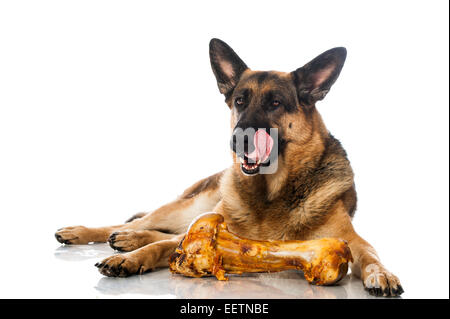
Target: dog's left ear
{"points": [[314, 80], [226, 65]]}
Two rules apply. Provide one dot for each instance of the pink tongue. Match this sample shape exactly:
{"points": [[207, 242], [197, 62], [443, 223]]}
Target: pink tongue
{"points": [[263, 146]]}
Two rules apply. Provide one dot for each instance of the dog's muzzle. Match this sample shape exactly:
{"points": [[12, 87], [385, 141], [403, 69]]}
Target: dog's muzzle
{"points": [[253, 148]]}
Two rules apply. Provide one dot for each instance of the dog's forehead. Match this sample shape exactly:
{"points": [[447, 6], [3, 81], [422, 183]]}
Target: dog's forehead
{"points": [[262, 81]]}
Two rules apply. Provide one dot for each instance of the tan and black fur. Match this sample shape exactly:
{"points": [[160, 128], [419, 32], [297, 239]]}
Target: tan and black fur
{"points": [[311, 195]]}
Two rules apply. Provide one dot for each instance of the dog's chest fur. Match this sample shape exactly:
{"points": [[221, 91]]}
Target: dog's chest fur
{"points": [[300, 203]]}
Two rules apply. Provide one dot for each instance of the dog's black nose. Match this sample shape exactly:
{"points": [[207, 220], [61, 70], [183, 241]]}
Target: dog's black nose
{"points": [[240, 141]]}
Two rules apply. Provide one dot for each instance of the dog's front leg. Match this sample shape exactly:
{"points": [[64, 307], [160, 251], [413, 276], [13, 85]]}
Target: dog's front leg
{"points": [[141, 260], [366, 263], [173, 218], [376, 278]]}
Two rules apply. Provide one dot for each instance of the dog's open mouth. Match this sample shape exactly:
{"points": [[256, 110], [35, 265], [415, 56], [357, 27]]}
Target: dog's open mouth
{"points": [[250, 163], [249, 168]]}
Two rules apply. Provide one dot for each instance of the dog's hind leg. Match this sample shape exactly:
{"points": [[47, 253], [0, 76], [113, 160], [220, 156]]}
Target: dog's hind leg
{"points": [[79, 235], [136, 216], [172, 218], [175, 217]]}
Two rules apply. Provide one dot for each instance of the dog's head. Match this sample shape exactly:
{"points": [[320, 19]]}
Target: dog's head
{"points": [[271, 109]]}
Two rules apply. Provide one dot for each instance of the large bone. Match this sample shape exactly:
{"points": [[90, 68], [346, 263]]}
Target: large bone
{"points": [[210, 249]]}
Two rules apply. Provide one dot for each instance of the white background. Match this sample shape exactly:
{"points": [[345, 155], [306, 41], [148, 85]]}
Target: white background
{"points": [[108, 108]]}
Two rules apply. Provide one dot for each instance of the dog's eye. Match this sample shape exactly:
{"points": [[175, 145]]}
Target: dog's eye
{"points": [[239, 101], [276, 103]]}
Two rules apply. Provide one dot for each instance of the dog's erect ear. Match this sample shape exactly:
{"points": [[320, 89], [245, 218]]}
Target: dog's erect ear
{"points": [[226, 65], [314, 80]]}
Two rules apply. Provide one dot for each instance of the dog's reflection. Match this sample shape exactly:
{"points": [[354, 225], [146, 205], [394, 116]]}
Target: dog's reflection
{"points": [[285, 285], [83, 252], [161, 283]]}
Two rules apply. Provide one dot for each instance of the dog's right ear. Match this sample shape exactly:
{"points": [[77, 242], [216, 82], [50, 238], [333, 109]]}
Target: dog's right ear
{"points": [[226, 65]]}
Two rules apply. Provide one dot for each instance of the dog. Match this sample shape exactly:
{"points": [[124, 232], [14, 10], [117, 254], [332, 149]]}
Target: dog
{"points": [[308, 193]]}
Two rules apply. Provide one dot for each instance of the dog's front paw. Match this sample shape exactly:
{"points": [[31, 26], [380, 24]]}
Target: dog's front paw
{"points": [[121, 265], [380, 282], [76, 235]]}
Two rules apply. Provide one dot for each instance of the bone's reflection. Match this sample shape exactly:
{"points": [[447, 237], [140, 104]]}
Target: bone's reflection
{"points": [[83, 252], [288, 284]]}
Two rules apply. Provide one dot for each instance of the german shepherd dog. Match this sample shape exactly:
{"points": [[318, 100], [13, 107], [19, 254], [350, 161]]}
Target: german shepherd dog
{"points": [[310, 194]]}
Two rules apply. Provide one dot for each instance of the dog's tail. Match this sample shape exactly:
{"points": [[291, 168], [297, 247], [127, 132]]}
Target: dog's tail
{"points": [[136, 216]]}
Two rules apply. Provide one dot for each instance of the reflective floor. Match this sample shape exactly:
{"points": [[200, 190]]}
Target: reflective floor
{"points": [[162, 284]]}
